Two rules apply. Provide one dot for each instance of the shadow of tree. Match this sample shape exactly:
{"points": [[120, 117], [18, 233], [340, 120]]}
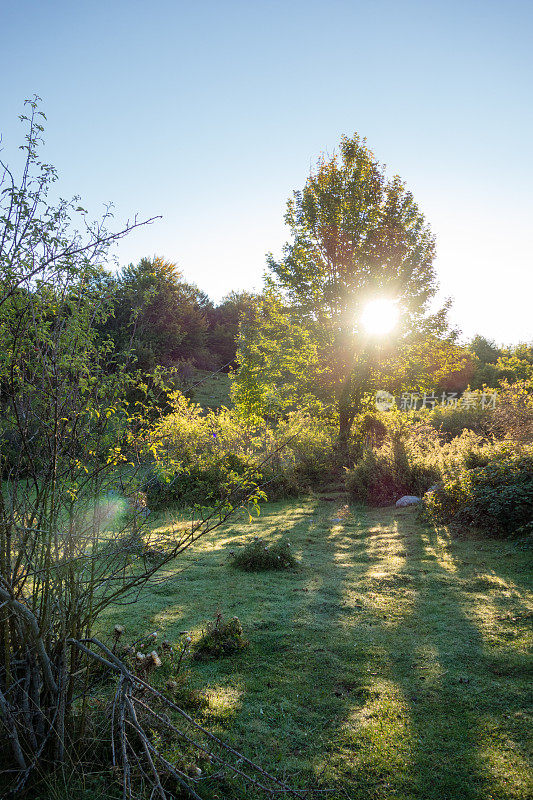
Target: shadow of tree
{"points": [[369, 669]]}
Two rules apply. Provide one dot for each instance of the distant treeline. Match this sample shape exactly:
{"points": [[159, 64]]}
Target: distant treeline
{"points": [[492, 364], [158, 319]]}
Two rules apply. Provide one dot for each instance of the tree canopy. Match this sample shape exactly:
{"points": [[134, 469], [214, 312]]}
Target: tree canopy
{"points": [[358, 235]]}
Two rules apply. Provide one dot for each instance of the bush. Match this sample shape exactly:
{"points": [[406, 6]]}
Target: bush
{"points": [[198, 484], [384, 475], [257, 556], [496, 498], [220, 639], [513, 415], [451, 421], [200, 456]]}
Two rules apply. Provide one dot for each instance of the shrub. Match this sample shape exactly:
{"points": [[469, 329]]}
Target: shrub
{"points": [[496, 498], [257, 556], [198, 484], [199, 456], [513, 415], [221, 638], [384, 475], [451, 421]]}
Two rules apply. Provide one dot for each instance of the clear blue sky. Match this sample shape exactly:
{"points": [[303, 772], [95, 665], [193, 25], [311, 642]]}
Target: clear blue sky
{"points": [[211, 113]]}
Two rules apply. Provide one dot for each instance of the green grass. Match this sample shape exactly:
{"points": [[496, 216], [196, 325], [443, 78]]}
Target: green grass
{"points": [[212, 390], [392, 664]]}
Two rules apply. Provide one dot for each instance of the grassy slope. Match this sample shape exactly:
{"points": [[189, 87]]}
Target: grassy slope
{"points": [[212, 390], [393, 664]]}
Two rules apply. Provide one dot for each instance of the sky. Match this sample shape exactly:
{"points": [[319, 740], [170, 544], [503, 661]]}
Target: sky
{"points": [[211, 114]]}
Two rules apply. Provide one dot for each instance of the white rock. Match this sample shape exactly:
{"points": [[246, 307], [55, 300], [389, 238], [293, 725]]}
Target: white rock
{"points": [[407, 500]]}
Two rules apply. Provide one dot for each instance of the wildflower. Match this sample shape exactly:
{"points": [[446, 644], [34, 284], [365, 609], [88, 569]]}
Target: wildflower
{"points": [[188, 639], [118, 630], [153, 635], [172, 686], [194, 771], [140, 657], [154, 658]]}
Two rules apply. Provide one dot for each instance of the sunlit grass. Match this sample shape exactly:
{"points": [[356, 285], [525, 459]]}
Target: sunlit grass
{"points": [[394, 663]]}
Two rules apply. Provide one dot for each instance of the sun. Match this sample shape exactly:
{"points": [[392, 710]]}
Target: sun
{"points": [[380, 316]]}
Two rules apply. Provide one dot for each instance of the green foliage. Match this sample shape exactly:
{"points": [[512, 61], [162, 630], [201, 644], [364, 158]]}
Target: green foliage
{"points": [[220, 638], [197, 485], [258, 555], [69, 545], [160, 320], [495, 497], [513, 416], [278, 360], [385, 474], [356, 234], [413, 455], [451, 421], [493, 365], [202, 456], [224, 325]]}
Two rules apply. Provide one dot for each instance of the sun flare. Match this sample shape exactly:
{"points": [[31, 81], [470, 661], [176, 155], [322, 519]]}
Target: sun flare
{"points": [[380, 316]]}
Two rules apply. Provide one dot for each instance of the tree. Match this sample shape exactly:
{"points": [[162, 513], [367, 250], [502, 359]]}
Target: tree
{"points": [[158, 317], [278, 360], [224, 322], [493, 364], [358, 235]]}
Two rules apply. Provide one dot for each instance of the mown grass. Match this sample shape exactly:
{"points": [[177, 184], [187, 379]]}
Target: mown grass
{"points": [[392, 664]]}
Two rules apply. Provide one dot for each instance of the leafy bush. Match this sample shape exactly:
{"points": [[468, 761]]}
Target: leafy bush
{"points": [[197, 484], [513, 415], [221, 638], [385, 474], [200, 457], [496, 498], [257, 556], [451, 421]]}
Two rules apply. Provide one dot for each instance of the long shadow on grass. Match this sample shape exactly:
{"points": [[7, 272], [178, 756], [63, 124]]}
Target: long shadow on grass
{"points": [[438, 659], [436, 666], [414, 672], [368, 663]]}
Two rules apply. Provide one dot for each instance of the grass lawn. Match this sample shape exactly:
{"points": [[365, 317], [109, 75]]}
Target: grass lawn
{"points": [[393, 664]]}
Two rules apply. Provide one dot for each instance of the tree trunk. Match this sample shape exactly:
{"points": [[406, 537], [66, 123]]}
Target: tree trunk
{"points": [[346, 418], [350, 398]]}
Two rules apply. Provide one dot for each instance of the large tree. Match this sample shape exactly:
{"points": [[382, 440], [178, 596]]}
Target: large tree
{"points": [[358, 235], [159, 316]]}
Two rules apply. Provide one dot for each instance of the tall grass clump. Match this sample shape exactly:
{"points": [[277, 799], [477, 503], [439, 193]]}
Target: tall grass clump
{"points": [[220, 638], [258, 555]]}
